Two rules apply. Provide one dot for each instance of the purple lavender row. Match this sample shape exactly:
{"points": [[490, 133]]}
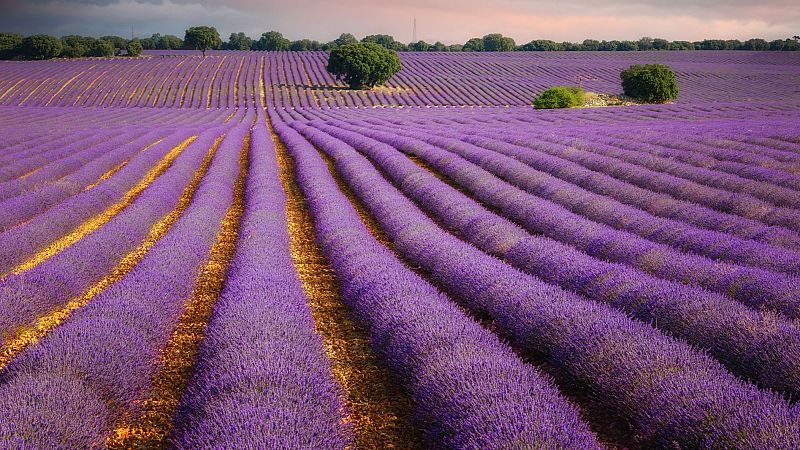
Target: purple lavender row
{"points": [[26, 164], [70, 272], [469, 388], [25, 206], [758, 346], [20, 243], [669, 394], [72, 388], [655, 203], [62, 167], [604, 210], [714, 184], [262, 333], [752, 286], [723, 201], [14, 153], [717, 157]]}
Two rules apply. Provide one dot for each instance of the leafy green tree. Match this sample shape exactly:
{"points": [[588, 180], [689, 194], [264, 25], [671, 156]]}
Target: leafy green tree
{"points": [[645, 43], [74, 46], [169, 42], [102, 48], [363, 64], [10, 44], [755, 44], [41, 46], [660, 44], [438, 47], [344, 39], [419, 46], [496, 42], [134, 47], [627, 46], [474, 45], [590, 45], [541, 45], [304, 45], [239, 41], [273, 41], [560, 97], [118, 42], [455, 48], [202, 38], [384, 40], [655, 83]]}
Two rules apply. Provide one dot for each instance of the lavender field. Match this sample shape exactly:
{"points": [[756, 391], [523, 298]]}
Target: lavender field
{"points": [[237, 251]]}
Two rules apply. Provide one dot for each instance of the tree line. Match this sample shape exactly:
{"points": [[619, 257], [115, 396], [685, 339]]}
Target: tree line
{"points": [[17, 46]]}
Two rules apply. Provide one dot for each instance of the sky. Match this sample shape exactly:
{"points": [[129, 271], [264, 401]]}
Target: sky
{"points": [[448, 21]]}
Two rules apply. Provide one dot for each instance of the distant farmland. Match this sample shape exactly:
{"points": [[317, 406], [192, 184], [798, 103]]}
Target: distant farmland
{"points": [[237, 251]]}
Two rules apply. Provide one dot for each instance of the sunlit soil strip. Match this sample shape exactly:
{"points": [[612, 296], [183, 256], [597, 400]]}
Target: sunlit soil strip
{"points": [[186, 85], [101, 219], [308, 82], [213, 79], [118, 167], [262, 90], [11, 88], [151, 427], [163, 83], [379, 411], [236, 85], [63, 86], [40, 84], [43, 325], [227, 119], [78, 98]]}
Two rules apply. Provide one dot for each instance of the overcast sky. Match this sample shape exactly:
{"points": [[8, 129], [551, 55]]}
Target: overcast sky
{"points": [[449, 21]]}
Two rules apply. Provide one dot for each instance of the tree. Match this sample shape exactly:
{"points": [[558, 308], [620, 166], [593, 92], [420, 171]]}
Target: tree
{"points": [[102, 48], [202, 38], [304, 45], [645, 43], [10, 44], [239, 41], [41, 46], [419, 46], [627, 46], [273, 41], [474, 45], [560, 97], [590, 45], [655, 83], [344, 39], [660, 44], [74, 46], [170, 42], [498, 43], [134, 48], [384, 40], [363, 64], [455, 48], [755, 44], [541, 45], [438, 47], [118, 42]]}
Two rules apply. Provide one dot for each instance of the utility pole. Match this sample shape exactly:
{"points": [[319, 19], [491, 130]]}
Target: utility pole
{"points": [[414, 33]]}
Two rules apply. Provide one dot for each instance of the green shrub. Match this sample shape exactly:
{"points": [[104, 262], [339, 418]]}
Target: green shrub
{"points": [[363, 64], [134, 48], [102, 48], [41, 46], [655, 83], [560, 97]]}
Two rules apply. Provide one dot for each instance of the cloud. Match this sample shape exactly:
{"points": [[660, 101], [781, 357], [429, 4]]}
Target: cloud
{"points": [[446, 20]]}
